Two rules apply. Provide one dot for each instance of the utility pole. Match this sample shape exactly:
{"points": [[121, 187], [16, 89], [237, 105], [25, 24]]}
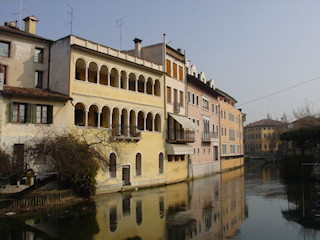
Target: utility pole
{"points": [[119, 23], [71, 17]]}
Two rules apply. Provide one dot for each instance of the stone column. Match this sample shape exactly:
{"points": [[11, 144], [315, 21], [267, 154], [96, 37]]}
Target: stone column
{"points": [[86, 119], [87, 74], [99, 114], [119, 80], [98, 77]]}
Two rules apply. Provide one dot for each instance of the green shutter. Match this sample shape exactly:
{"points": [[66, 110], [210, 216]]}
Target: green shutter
{"points": [[29, 113], [33, 113], [50, 114]]}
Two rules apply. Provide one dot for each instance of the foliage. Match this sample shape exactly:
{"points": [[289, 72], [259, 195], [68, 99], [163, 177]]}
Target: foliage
{"points": [[5, 164], [306, 110], [291, 167], [75, 161]]}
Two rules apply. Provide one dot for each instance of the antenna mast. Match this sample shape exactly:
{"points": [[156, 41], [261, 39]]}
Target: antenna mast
{"points": [[119, 23], [71, 17], [19, 13]]}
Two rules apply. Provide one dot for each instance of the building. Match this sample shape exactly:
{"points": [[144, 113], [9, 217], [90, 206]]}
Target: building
{"points": [[180, 130], [262, 136], [203, 109], [231, 132], [27, 105], [119, 98]]}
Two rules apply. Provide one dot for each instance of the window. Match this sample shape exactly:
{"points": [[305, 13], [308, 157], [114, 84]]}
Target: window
{"points": [[197, 101], [232, 149], [189, 97], [19, 112], [170, 158], [193, 101], [232, 134], [225, 115], [221, 114], [180, 73], [182, 157], [4, 49], [216, 153], [3, 74], [168, 94], [198, 122], [38, 55], [224, 149], [181, 99], [168, 67], [44, 114], [161, 163], [138, 164], [38, 79], [205, 104], [175, 70], [213, 107], [217, 112], [113, 166], [231, 117], [176, 157]]}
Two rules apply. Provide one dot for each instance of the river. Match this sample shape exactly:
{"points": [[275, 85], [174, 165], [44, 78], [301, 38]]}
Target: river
{"points": [[246, 203]]}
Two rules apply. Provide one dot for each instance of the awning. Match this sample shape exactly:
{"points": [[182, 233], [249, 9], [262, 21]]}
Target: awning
{"points": [[178, 149], [185, 122]]}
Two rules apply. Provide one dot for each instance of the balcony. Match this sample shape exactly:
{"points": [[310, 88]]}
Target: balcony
{"points": [[180, 136], [209, 136], [122, 132]]}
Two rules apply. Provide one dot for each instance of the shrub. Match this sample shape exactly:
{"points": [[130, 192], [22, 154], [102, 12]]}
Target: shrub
{"points": [[5, 164]]}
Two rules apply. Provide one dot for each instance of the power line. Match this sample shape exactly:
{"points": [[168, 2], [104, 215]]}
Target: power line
{"points": [[279, 91]]}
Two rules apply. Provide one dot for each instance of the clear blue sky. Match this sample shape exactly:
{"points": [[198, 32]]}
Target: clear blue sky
{"points": [[251, 48]]}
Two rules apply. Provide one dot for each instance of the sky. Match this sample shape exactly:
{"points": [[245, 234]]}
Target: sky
{"points": [[251, 48]]}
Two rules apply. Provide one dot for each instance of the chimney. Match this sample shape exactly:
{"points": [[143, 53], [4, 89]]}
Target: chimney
{"points": [[179, 50], [11, 24], [30, 24], [137, 47]]}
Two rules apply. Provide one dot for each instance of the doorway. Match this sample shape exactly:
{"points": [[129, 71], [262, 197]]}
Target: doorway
{"points": [[126, 175]]}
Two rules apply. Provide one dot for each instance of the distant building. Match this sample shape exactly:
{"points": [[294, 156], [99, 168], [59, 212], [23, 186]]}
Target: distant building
{"points": [[262, 136]]}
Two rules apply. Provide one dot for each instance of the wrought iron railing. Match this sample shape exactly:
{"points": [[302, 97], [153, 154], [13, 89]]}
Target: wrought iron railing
{"points": [[209, 136], [180, 135]]}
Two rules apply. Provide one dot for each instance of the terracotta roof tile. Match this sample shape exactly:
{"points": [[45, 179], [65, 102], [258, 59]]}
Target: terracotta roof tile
{"points": [[265, 123], [33, 93]]}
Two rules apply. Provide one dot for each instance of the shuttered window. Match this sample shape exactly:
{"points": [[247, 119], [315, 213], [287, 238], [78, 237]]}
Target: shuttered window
{"points": [[168, 67], [168, 94], [175, 70], [180, 73]]}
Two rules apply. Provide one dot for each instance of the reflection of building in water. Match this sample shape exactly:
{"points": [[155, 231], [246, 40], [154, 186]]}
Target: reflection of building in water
{"points": [[232, 201]]}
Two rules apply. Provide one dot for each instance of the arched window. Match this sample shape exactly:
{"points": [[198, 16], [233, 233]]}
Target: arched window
{"points": [[141, 83], [157, 123], [93, 72], [157, 90], [124, 122], [123, 80], [149, 122], [132, 82], [115, 122], [114, 78], [79, 115], [104, 75], [113, 165], [93, 116], [105, 118], [141, 120], [80, 73], [149, 86], [138, 164], [161, 167]]}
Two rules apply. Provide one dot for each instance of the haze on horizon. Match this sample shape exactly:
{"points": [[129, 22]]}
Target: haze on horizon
{"points": [[250, 48]]}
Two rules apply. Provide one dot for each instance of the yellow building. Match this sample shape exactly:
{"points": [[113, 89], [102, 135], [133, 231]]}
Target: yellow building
{"points": [[118, 98], [231, 132], [262, 136]]}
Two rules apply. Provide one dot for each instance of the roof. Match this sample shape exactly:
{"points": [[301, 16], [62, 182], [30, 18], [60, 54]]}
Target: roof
{"points": [[23, 33], [222, 93], [265, 123], [195, 81], [34, 93]]}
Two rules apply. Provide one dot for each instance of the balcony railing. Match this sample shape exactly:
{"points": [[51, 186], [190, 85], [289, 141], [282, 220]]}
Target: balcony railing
{"points": [[209, 136], [180, 136], [122, 132]]}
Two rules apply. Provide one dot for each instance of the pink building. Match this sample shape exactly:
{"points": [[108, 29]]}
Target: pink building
{"points": [[203, 109]]}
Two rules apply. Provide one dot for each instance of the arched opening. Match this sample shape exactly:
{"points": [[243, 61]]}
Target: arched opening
{"points": [[149, 86], [115, 122], [80, 73], [149, 122], [93, 116], [161, 165], [141, 83], [123, 80], [103, 75], [157, 123], [138, 164], [93, 72], [79, 115], [105, 117], [113, 165], [133, 124], [132, 82], [157, 90], [114, 78], [124, 122], [141, 120]]}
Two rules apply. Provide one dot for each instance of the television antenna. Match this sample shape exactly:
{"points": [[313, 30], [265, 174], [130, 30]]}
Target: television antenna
{"points": [[71, 17], [20, 13], [119, 23]]}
